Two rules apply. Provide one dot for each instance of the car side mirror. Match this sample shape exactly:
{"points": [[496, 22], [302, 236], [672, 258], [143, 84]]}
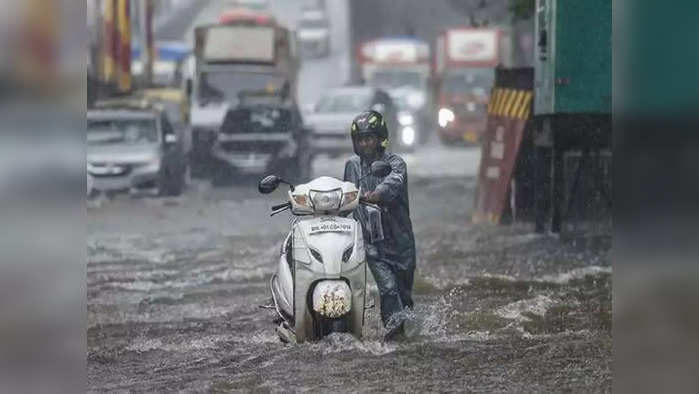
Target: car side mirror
{"points": [[380, 169], [269, 184], [170, 138]]}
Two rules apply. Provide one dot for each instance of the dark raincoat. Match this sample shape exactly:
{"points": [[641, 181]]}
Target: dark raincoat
{"points": [[391, 255]]}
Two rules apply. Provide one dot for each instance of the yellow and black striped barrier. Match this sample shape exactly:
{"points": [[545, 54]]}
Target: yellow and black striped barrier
{"points": [[509, 110], [511, 103]]}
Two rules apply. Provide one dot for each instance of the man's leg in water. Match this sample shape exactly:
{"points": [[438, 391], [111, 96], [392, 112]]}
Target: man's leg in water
{"points": [[405, 275], [385, 278]]}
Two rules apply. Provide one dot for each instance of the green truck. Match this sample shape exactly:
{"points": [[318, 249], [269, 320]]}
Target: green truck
{"points": [[572, 106]]}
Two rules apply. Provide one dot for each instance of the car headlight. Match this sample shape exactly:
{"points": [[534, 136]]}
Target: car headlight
{"points": [[408, 135], [444, 116], [405, 118], [416, 100], [326, 201]]}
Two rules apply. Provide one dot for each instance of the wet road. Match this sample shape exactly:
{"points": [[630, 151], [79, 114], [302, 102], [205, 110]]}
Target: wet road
{"points": [[174, 286]]}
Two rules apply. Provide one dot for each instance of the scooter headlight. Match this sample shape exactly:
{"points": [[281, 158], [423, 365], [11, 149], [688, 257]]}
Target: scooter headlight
{"points": [[326, 201]]}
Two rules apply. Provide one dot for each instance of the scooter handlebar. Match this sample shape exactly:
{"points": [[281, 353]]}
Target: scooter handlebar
{"points": [[280, 206]]}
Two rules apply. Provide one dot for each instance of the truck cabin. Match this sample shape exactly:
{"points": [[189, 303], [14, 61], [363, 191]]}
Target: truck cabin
{"points": [[395, 63]]}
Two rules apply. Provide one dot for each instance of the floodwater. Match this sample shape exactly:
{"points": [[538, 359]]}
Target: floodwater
{"points": [[174, 288]]}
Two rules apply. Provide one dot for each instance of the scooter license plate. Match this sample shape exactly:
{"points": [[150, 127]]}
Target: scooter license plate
{"points": [[330, 228]]}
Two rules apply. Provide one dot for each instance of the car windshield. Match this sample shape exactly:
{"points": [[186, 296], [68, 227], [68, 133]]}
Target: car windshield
{"points": [[344, 102], [224, 86], [257, 120], [392, 79], [477, 81], [121, 131]]}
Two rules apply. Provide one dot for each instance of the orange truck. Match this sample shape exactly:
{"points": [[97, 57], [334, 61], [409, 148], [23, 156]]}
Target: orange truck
{"points": [[464, 63]]}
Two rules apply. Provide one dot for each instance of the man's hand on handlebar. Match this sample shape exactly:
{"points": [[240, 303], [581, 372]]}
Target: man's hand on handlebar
{"points": [[371, 197]]}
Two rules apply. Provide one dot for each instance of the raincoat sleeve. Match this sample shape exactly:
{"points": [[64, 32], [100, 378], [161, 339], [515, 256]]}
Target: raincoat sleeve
{"points": [[350, 172], [394, 183]]}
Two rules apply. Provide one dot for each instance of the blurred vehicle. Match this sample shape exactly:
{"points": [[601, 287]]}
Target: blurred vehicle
{"points": [[331, 117], [168, 65], [259, 5], [132, 146], [175, 102], [313, 33], [412, 129], [465, 59], [246, 50], [401, 67], [264, 133]]}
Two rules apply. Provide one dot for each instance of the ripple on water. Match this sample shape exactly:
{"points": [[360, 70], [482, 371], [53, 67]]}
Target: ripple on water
{"points": [[338, 343]]}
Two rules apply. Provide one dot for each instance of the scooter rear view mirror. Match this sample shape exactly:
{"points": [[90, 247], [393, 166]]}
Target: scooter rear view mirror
{"points": [[268, 184]]}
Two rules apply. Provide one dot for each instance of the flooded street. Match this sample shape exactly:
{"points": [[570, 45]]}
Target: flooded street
{"points": [[174, 288], [174, 285]]}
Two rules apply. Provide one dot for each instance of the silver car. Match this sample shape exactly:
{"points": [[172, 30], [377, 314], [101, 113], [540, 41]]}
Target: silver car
{"points": [[134, 150], [331, 117]]}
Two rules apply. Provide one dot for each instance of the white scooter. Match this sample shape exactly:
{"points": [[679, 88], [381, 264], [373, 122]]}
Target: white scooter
{"points": [[319, 286]]}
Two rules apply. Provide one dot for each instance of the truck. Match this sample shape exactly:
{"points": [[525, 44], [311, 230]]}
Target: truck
{"points": [[465, 59], [245, 50], [401, 67], [572, 122]]}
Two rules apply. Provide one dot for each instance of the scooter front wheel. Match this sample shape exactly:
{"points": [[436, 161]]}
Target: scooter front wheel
{"points": [[325, 326]]}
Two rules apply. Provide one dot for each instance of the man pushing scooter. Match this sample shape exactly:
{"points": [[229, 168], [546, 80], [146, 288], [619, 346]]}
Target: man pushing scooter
{"points": [[390, 245]]}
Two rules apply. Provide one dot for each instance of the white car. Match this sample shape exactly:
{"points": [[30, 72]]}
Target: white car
{"points": [[314, 33], [330, 118]]}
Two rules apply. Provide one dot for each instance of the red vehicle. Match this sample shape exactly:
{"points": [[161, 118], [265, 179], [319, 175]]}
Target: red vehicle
{"points": [[465, 61]]}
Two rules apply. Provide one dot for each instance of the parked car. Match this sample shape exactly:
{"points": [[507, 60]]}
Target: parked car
{"points": [[313, 33], [262, 135], [132, 146], [330, 118]]}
